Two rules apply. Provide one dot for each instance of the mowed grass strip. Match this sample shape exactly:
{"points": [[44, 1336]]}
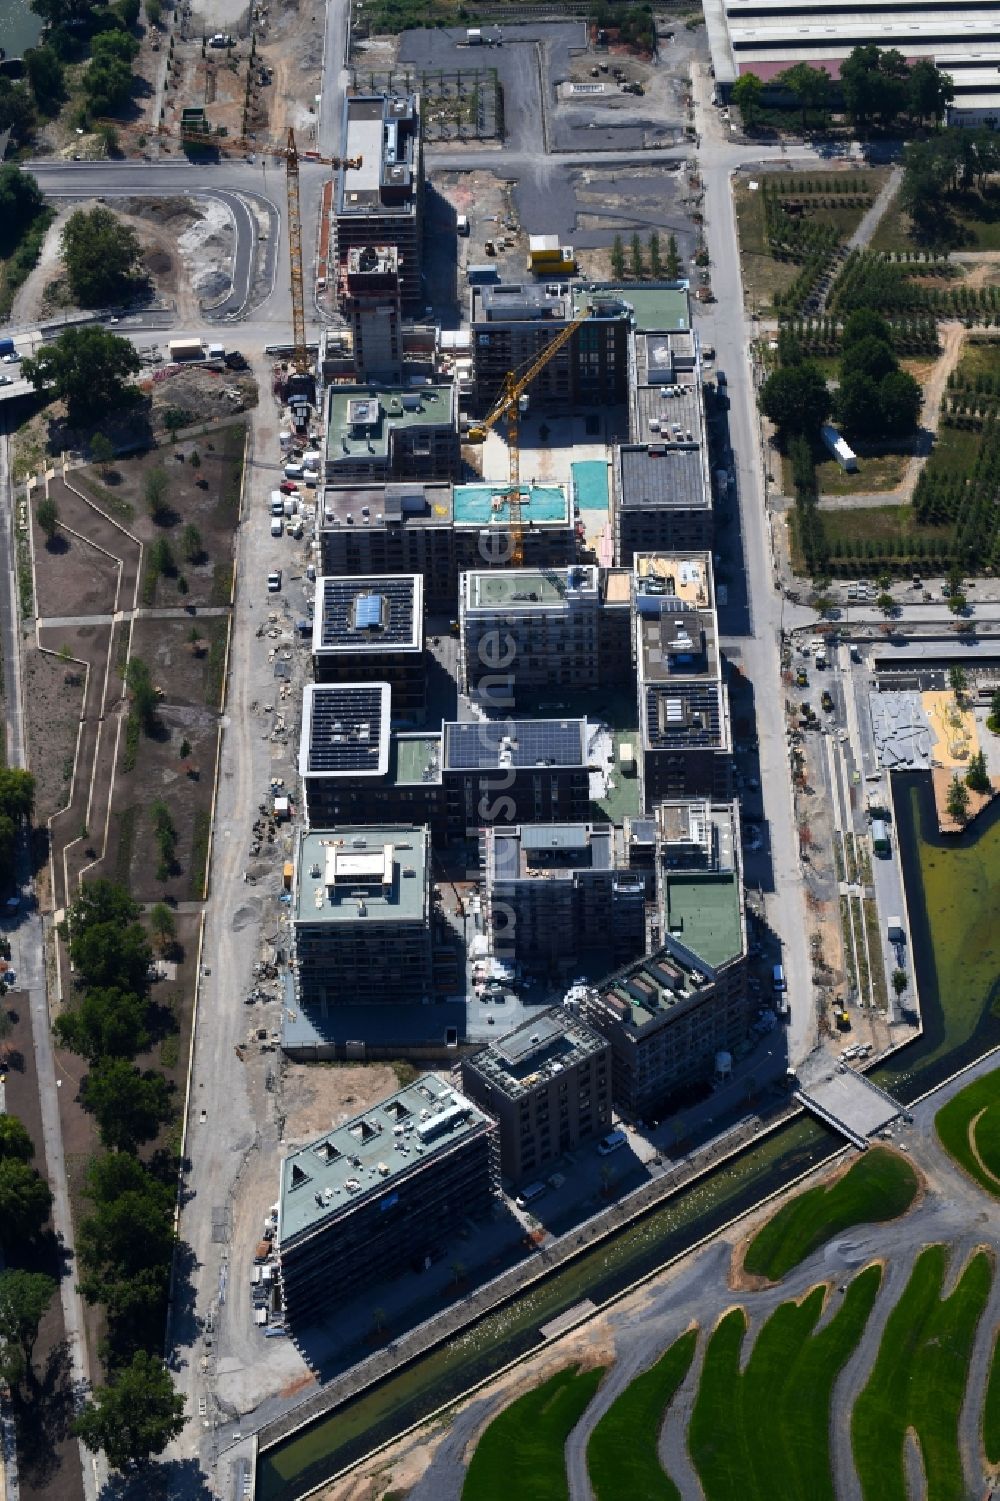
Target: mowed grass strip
{"points": [[968, 1128], [918, 1381], [521, 1452], [879, 1185], [622, 1457], [765, 1432], [991, 1407]]}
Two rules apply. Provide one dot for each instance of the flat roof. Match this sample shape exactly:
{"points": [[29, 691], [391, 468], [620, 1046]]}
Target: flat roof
{"points": [[360, 418], [653, 309], [518, 744], [494, 588], [686, 576], [396, 504], [537, 1051], [381, 129], [647, 991], [703, 910], [361, 873], [415, 758], [662, 475], [687, 715], [540, 852], [366, 1156], [345, 729], [677, 642], [369, 614], [489, 505]]}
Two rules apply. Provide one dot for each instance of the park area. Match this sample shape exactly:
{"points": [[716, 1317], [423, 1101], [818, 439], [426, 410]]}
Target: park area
{"points": [[969, 1130]]}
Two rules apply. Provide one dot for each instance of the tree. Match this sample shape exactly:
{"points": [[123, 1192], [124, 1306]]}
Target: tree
{"points": [[865, 323], [108, 947], [993, 718], [155, 491], [873, 83], [87, 368], [107, 84], [191, 544], [173, 420], [20, 202], [637, 264], [745, 94], [957, 680], [900, 980], [886, 604], [47, 516], [126, 1243], [957, 802], [870, 356], [899, 400], [25, 1201], [977, 777], [655, 259], [928, 91], [102, 451], [17, 801], [102, 256], [673, 260], [617, 259], [135, 1416], [154, 11], [15, 1143], [24, 1297], [144, 696], [108, 1023], [796, 399], [162, 926], [129, 1105], [858, 405], [809, 86], [47, 79], [166, 840], [17, 111]]}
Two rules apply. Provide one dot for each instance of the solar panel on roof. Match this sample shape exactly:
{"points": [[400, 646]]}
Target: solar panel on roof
{"points": [[384, 608], [341, 734], [524, 743]]}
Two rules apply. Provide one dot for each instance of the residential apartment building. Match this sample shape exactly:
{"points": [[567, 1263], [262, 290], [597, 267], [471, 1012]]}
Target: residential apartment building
{"points": [[371, 627], [514, 771], [361, 917], [380, 433], [524, 630], [381, 1194], [439, 531], [684, 728], [380, 202], [356, 769], [514, 323], [555, 892], [547, 1084], [371, 298]]}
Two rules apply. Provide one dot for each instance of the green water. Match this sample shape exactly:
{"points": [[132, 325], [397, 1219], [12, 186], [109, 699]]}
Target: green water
{"points": [[953, 895]]}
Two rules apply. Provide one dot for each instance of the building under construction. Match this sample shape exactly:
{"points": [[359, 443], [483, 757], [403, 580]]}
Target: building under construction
{"points": [[380, 202]]}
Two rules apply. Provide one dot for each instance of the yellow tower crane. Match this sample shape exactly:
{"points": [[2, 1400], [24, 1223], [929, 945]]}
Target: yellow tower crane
{"points": [[291, 156], [507, 406]]}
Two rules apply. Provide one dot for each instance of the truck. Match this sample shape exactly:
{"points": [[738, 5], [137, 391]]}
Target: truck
{"points": [[7, 347], [185, 349], [880, 837], [216, 352]]}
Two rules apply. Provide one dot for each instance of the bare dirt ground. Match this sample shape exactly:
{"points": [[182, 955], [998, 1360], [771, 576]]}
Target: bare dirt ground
{"points": [[52, 696], [317, 1096], [290, 44], [187, 250]]}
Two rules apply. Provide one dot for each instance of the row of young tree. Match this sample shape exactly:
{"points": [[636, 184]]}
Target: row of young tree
{"points": [[649, 260], [125, 1242], [870, 279], [877, 87], [822, 336]]}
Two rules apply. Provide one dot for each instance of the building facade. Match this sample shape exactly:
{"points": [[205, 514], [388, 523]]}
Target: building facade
{"points": [[371, 297], [379, 1195], [513, 324], [514, 771], [523, 630], [377, 434], [548, 1086]]}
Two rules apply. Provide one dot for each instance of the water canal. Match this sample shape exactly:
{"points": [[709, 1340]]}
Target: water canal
{"points": [[953, 893]]}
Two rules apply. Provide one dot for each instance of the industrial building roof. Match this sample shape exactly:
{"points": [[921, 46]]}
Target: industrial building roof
{"points": [[494, 589], [703, 910], [346, 875], [489, 505], [369, 614], [362, 417], [345, 730], [366, 1156], [540, 1048], [517, 744], [662, 474]]}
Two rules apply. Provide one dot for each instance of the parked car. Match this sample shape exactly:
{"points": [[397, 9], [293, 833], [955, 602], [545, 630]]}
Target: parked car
{"points": [[288, 488], [611, 1143], [274, 581]]}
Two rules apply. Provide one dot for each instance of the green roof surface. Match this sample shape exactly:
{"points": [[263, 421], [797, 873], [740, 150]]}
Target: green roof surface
{"points": [[703, 913], [655, 309], [426, 406], [411, 755]]}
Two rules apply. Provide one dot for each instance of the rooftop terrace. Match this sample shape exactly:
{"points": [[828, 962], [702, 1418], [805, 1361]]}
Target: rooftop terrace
{"points": [[415, 758], [362, 417], [365, 1156], [653, 308], [647, 991], [703, 910], [492, 589], [346, 874]]}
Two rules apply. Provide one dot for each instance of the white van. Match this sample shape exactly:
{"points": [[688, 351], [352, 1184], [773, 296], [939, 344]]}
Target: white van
{"points": [[611, 1143], [293, 471], [529, 1194]]}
